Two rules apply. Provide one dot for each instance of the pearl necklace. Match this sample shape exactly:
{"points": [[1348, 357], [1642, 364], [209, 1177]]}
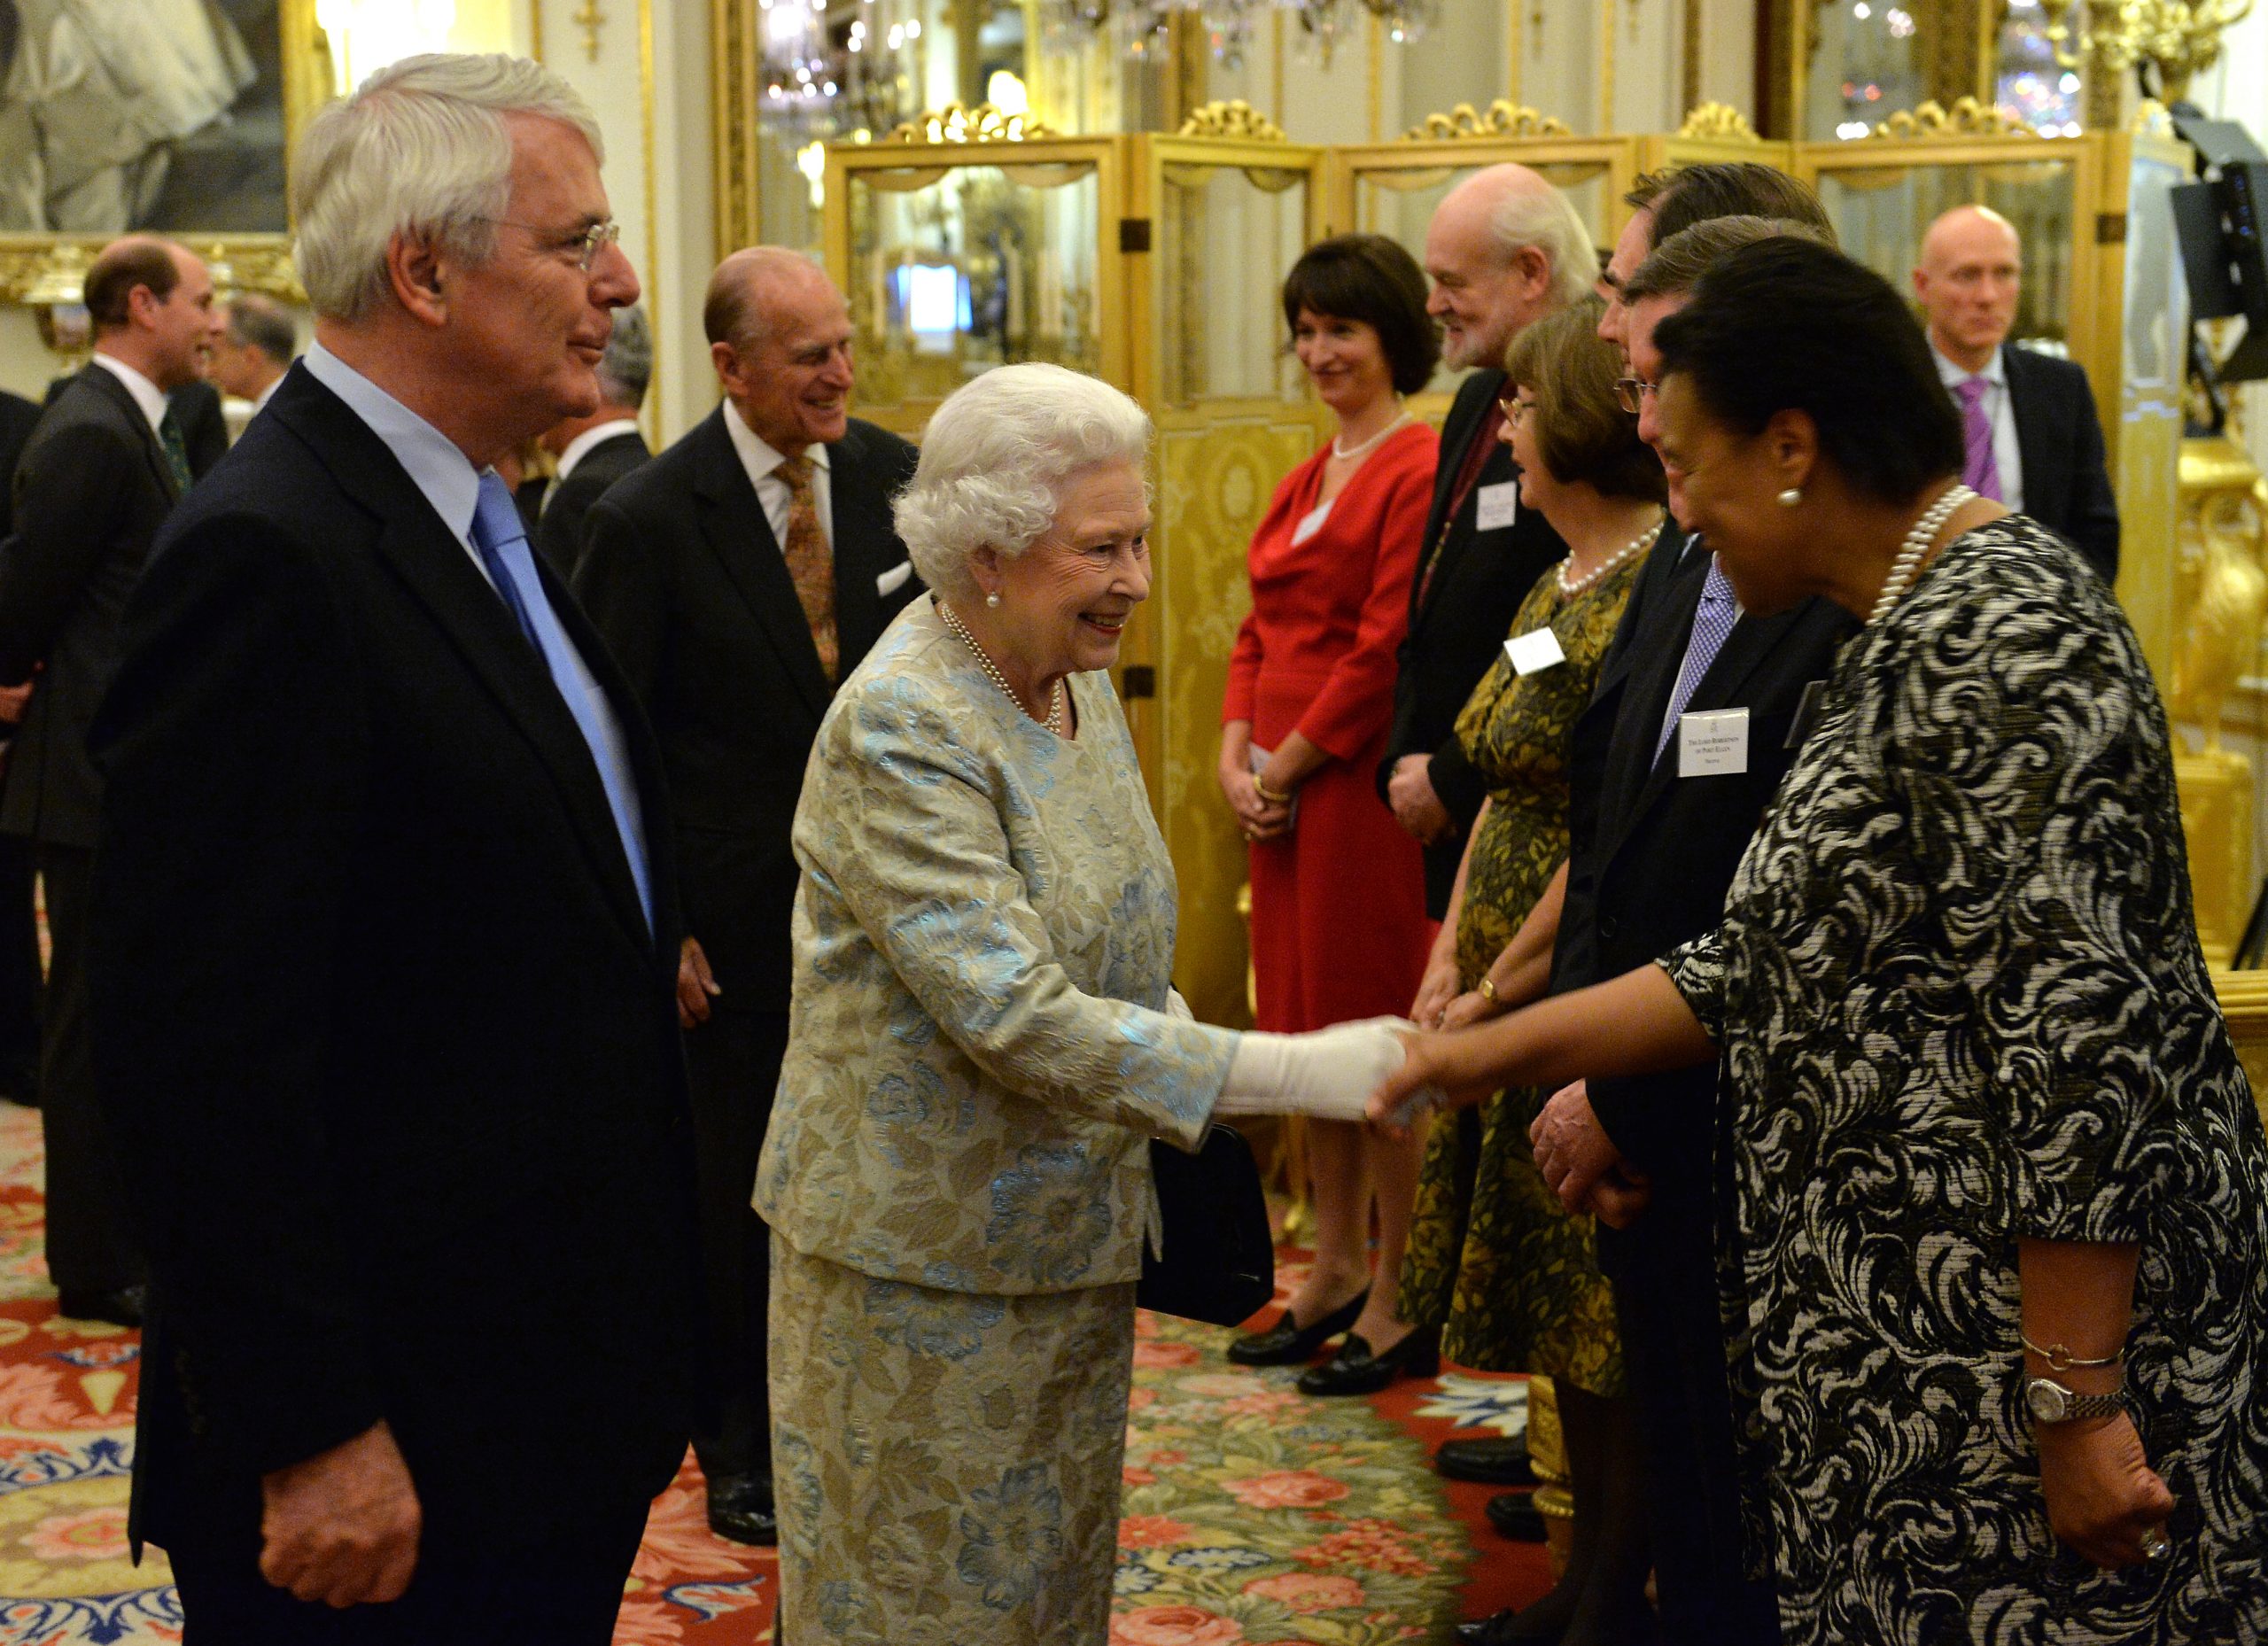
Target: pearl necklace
{"points": [[1571, 586], [1344, 452], [1907, 566], [1054, 722]]}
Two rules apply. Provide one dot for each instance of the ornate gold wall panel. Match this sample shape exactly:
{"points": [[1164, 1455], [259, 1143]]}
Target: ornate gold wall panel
{"points": [[1217, 466]]}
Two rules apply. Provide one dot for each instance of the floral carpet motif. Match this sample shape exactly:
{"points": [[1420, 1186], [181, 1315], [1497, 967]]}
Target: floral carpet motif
{"points": [[1252, 1513]]}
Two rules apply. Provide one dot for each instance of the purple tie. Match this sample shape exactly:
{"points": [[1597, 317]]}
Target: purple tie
{"points": [[1712, 620], [1981, 469]]}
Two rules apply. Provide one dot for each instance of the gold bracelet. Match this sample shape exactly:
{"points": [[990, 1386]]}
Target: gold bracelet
{"points": [[1274, 798], [2062, 1359], [1487, 989]]}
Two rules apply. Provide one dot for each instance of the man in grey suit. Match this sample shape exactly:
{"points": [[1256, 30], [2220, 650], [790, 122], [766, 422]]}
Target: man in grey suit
{"points": [[98, 478], [737, 578]]}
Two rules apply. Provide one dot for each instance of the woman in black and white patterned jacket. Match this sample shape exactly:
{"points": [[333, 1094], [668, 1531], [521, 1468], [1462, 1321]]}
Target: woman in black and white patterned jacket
{"points": [[1998, 1258]]}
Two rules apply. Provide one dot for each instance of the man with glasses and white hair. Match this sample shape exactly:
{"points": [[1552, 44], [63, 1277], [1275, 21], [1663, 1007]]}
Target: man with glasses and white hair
{"points": [[386, 933]]}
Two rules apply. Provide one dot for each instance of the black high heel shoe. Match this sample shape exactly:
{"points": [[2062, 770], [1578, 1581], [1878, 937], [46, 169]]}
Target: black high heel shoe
{"points": [[1356, 1370], [1287, 1343]]}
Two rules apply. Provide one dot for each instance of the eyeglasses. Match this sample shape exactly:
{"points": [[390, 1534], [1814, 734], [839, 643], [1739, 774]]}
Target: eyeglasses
{"points": [[587, 247], [1630, 393], [1516, 412]]}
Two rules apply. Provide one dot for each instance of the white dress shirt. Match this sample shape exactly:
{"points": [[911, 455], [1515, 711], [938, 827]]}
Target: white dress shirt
{"points": [[579, 447], [2006, 452], [147, 395], [259, 400], [762, 463]]}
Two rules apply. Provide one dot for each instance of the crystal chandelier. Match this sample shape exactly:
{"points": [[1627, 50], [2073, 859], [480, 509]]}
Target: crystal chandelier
{"points": [[1141, 26]]}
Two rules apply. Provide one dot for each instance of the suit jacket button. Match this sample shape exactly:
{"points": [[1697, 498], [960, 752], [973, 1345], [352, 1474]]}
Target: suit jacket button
{"points": [[1608, 925]]}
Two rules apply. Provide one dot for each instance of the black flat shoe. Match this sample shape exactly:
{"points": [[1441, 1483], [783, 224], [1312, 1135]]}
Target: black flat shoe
{"points": [[1502, 1628], [1287, 1343], [1492, 1462], [1515, 1516], [121, 1308], [1356, 1370], [739, 1509]]}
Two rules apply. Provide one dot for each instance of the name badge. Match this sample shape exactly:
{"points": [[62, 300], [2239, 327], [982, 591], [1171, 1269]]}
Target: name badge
{"points": [[1535, 650], [1712, 745], [1310, 523], [1498, 506], [1806, 713]]}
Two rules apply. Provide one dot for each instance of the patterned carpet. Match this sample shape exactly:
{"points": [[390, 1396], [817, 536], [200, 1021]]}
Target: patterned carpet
{"points": [[1252, 1513]]}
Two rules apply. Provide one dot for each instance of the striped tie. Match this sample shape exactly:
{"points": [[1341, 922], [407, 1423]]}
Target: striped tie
{"points": [[1981, 467]]}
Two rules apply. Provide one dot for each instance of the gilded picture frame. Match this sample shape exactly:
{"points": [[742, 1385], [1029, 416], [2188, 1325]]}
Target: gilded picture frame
{"points": [[293, 68]]}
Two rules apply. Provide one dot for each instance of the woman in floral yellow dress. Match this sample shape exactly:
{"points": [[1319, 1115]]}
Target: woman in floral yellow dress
{"points": [[1510, 1278]]}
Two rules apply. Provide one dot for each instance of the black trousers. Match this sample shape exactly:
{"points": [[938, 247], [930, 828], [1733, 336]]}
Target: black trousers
{"points": [[19, 979], [90, 1245], [562, 1593], [1663, 1270], [732, 1066]]}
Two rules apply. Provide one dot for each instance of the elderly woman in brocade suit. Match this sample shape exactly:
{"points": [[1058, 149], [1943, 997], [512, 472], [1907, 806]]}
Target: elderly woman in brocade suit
{"points": [[984, 1041]]}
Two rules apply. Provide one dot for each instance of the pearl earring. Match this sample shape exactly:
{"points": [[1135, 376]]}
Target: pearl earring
{"points": [[993, 599], [1790, 498]]}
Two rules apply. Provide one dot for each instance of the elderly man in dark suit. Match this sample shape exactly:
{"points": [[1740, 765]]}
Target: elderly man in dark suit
{"points": [[2034, 440], [386, 942], [1504, 249], [596, 450], [19, 966], [96, 479], [738, 578]]}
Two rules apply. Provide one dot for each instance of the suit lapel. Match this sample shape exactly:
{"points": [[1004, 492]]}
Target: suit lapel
{"points": [[733, 525], [153, 455], [2038, 452], [1633, 770], [862, 528], [1465, 419], [423, 552], [1750, 643]]}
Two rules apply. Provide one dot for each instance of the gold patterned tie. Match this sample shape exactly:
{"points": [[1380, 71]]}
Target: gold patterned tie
{"points": [[810, 562]]}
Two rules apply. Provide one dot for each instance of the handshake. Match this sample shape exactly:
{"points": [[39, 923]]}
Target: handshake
{"points": [[1328, 1074]]}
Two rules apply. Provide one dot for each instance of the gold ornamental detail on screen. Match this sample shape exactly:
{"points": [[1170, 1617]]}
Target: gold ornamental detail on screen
{"points": [[1968, 118], [1501, 119], [1720, 123], [1233, 118], [961, 123]]}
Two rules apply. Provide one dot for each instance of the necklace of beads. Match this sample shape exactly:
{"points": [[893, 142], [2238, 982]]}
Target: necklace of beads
{"points": [[1054, 722], [1571, 586], [1907, 566], [1344, 452]]}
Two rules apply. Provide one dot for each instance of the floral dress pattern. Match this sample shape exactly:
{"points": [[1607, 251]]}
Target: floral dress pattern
{"points": [[1962, 1003], [957, 1173], [1510, 1278]]}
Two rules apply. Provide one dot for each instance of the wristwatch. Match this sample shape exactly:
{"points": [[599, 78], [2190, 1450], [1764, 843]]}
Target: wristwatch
{"points": [[2049, 1402]]}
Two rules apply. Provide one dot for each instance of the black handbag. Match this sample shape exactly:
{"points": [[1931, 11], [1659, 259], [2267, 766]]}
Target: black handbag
{"points": [[1219, 1265]]}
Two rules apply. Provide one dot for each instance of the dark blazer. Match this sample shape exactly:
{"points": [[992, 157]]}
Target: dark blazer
{"points": [[680, 572], [1651, 855], [18, 418], [1457, 621], [389, 1051], [204, 425], [559, 533], [2066, 475], [92, 488]]}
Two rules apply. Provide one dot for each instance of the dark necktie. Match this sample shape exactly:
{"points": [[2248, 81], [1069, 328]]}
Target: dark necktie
{"points": [[176, 451], [501, 541]]}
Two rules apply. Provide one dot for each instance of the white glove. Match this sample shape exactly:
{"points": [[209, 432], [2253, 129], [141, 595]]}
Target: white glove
{"points": [[1328, 1074]]}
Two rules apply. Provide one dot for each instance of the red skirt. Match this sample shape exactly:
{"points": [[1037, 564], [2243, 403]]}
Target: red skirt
{"points": [[1339, 928]]}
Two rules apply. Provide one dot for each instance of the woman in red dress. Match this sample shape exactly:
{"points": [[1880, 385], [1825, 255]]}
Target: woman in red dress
{"points": [[1339, 928]]}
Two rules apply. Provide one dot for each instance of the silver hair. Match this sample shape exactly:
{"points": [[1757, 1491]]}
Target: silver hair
{"points": [[1547, 220], [995, 460], [422, 149], [627, 366]]}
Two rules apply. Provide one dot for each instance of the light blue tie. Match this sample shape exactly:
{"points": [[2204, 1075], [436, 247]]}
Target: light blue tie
{"points": [[502, 543], [1712, 621]]}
